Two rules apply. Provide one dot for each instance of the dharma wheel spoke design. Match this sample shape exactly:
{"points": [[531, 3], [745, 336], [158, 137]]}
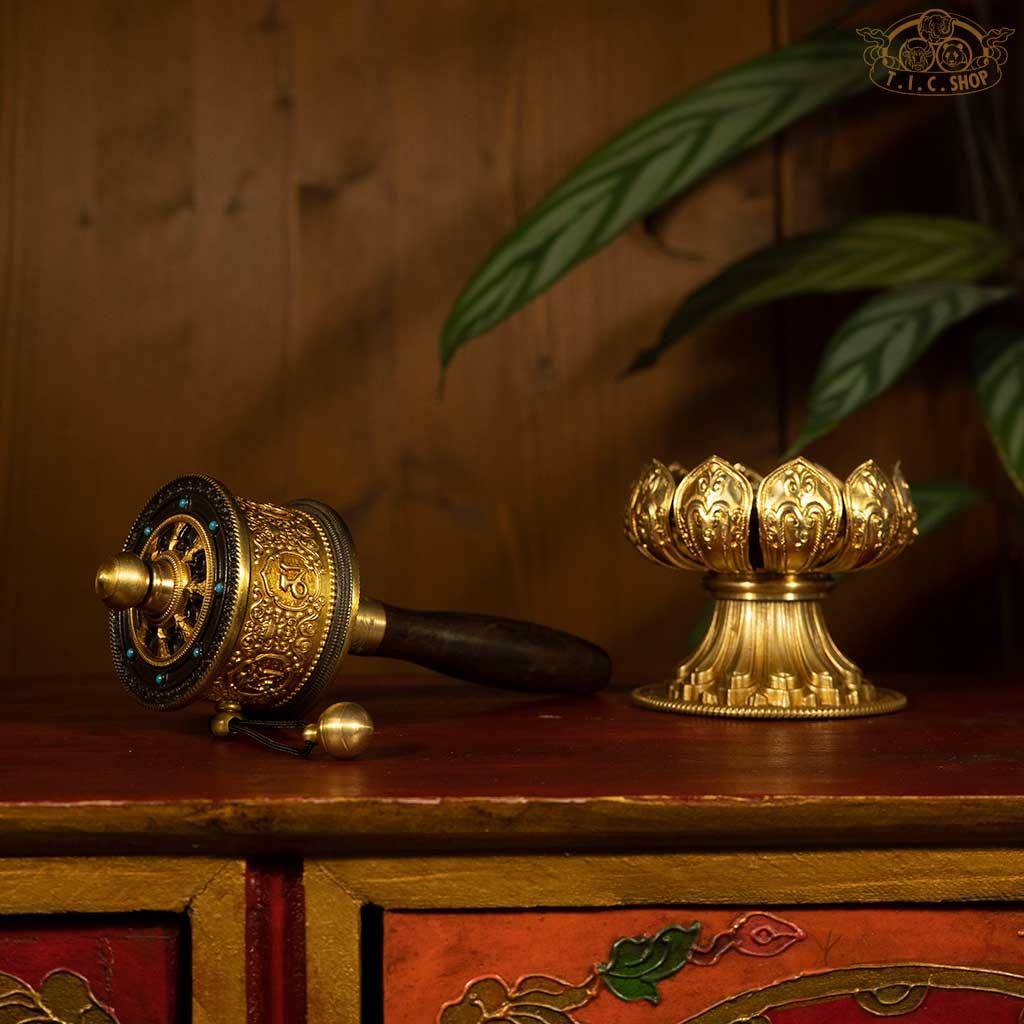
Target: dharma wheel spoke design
{"points": [[182, 547]]}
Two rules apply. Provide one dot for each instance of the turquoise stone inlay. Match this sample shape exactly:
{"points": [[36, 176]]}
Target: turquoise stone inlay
{"points": [[147, 530], [213, 525], [196, 651], [183, 503], [160, 679], [130, 653], [218, 588]]}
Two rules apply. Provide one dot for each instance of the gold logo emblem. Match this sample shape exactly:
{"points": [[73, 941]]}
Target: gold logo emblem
{"points": [[936, 53]]}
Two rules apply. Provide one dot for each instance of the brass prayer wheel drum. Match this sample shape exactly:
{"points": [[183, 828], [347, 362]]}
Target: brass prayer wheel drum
{"points": [[228, 600]]}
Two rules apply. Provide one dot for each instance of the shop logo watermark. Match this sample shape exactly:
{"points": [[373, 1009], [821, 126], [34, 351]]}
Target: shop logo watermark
{"points": [[936, 53]]}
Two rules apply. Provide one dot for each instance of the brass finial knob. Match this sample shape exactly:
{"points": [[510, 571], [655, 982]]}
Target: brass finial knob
{"points": [[344, 730], [123, 581]]}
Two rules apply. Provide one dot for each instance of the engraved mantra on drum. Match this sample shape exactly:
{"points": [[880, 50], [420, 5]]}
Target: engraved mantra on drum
{"points": [[289, 611]]}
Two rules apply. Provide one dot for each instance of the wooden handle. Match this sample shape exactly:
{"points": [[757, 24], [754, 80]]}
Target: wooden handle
{"points": [[496, 652]]}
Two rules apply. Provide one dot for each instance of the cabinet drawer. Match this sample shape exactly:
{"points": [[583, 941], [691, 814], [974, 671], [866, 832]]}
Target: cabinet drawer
{"points": [[150, 936], [93, 968], [708, 965]]}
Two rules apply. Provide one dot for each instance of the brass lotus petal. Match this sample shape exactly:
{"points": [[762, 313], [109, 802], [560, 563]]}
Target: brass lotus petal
{"points": [[872, 518], [648, 517], [711, 516], [799, 508], [905, 530]]}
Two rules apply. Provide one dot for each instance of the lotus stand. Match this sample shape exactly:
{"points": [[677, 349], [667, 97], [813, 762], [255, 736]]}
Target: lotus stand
{"points": [[771, 548]]}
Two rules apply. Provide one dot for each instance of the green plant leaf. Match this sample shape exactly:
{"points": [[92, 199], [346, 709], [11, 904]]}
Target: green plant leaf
{"points": [[874, 252], [885, 336], [999, 384], [637, 964], [657, 157], [938, 501]]}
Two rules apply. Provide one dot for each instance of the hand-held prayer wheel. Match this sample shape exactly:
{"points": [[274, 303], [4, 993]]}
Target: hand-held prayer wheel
{"points": [[253, 607]]}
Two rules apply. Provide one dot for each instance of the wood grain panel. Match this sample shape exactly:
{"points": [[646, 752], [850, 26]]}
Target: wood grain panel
{"points": [[242, 117], [422, 133], [49, 354], [231, 232], [147, 286], [12, 294]]}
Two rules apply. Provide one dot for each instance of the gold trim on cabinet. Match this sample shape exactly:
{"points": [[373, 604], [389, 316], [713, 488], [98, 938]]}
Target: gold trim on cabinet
{"points": [[495, 823]]}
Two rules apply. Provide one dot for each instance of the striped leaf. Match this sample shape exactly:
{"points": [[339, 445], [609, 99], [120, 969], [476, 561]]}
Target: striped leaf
{"points": [[657, 157], [875, 252], [999, 384], [880, 341]]}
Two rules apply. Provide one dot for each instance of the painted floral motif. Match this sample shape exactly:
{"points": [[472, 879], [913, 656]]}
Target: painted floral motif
{"points": [[638, 964], [532, 999], [634, 968], [756, 934], [63, 998], [893, 990]]}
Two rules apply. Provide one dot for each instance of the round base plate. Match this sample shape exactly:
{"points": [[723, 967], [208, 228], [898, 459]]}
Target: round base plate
{"points": [[656, 697]]}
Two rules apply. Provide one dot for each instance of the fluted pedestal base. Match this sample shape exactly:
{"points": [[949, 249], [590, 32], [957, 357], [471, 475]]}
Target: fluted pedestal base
{"points": [[768, 654]]}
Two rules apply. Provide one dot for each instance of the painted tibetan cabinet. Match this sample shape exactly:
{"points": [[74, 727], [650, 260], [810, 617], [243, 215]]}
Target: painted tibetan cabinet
{"points": [[505, 859]]}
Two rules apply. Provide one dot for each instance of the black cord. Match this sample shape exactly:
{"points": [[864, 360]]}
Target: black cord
{"points": [[251, 727]]}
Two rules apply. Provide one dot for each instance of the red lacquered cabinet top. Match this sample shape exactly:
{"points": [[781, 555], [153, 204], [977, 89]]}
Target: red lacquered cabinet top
{"points": [[84, 768]]}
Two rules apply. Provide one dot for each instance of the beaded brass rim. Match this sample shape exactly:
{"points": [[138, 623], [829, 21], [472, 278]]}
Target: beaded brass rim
{"points": [[657, 697], [346, 601], [186, 674]]}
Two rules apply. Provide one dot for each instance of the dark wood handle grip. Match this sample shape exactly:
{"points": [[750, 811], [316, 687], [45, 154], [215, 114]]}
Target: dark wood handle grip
{"points": [[496, 652]]}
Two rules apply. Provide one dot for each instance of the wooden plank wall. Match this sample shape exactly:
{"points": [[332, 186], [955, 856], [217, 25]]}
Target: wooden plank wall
{"points": [[230, 231]]}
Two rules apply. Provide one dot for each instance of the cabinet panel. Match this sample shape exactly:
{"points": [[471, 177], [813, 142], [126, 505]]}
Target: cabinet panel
{"points": [[94, 968], [61, 909], [772, 965]]}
